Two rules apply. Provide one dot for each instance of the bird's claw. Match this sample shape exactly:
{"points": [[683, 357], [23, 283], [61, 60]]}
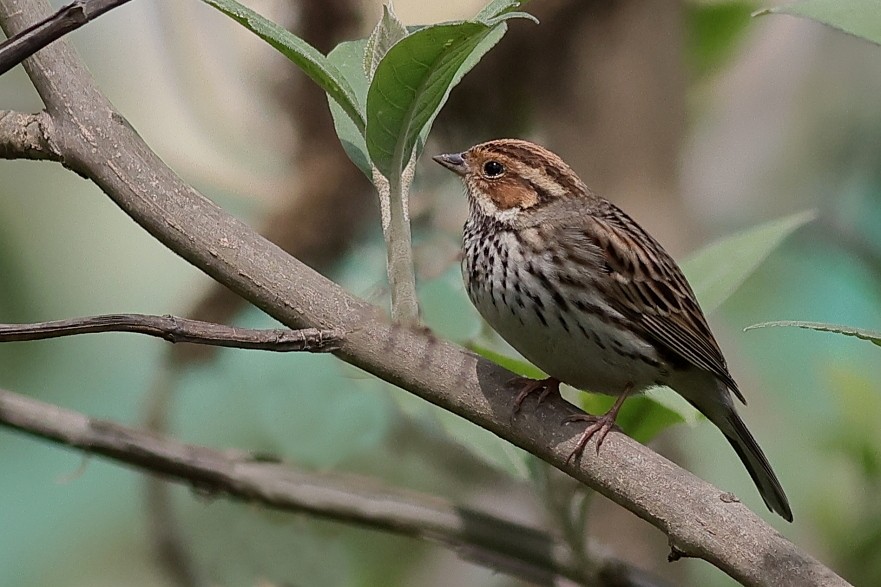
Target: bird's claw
{"points": [[529, 386], [600, 427]]}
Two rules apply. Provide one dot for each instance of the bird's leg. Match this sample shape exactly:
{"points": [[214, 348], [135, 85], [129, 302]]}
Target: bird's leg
{"points": [[600, 425], [530, 386]]}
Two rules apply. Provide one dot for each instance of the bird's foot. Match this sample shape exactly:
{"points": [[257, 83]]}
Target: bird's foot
{"points": [[599, 427], [545, 387]]}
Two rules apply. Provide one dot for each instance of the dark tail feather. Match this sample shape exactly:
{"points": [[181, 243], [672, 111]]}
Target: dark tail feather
{"points": [[756, 464]]}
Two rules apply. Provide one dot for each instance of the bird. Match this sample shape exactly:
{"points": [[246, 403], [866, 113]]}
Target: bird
{"points": [[584, 293]]}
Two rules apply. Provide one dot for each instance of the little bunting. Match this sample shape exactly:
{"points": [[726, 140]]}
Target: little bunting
{"points": [[589, 297]]}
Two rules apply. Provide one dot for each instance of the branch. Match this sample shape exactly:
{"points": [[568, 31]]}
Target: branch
{"points": [[174, 329], [27, 136], [17, 48], [513, 548], [699, 519]]}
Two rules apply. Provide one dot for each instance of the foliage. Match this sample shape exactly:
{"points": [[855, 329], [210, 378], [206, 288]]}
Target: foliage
{"points": [[717, 270], [408, 76], [861, 18], [872, 336]]}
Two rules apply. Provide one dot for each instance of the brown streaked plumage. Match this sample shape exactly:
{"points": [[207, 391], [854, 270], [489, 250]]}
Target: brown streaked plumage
{"points": [[583, 292]]}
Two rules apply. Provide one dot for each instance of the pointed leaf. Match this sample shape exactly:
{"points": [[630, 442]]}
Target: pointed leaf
{"points": [[861, 18], [476, 55], [388, 31], [518, 366], [409, 84], [872, 336], [498, 8], [717, 270], [347, 57], [413, 81], [305, 56]]}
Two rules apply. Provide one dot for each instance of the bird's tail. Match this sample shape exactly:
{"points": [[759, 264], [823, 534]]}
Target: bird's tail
{"points": [[755, 462]]}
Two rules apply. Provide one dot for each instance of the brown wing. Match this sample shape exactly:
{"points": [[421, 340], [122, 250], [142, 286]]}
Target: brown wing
{"points": [[647, 286]]}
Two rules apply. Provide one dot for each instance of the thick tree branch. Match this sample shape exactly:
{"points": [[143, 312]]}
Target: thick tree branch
{"points": [[174, 329], [16, 49], [699, 519], [507, 546]]}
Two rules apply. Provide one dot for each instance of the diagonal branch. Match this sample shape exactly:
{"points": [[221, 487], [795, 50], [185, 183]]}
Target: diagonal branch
{"points": [[508, 546], [174, 330], [96, 141]]}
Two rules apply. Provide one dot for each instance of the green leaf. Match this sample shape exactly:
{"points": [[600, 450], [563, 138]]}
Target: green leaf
{"points": [[348, 57], [305, 56], [518, 366], [861, 18], [498, 8], [388, 31], [476, 55], [414, 80], [717, 270], [872, 336]]}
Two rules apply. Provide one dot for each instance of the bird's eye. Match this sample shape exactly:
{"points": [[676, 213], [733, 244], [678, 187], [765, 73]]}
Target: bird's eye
{"points": [[493, 169]]}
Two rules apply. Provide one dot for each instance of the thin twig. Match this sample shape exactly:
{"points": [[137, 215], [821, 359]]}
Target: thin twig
{"points": [[508, 546], [175, 329], [19, 47]]}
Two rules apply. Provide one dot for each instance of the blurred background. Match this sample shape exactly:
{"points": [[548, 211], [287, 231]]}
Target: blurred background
{"points": [[694, 117]]}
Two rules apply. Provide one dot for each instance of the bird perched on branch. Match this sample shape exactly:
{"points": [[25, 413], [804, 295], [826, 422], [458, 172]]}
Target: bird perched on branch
{"points": [[588, 296]]}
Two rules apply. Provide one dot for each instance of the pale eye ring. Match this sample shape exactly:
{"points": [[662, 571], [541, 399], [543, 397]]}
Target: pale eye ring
{"points": [[493, 169]]}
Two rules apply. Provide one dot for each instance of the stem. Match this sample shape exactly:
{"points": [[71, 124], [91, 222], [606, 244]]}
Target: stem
{"points": [[394, 195]]}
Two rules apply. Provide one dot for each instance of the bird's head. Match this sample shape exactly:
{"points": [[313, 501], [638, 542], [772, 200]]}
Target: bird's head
{"points": [[506, 177]]}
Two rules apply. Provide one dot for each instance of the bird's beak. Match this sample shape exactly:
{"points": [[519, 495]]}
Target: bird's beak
{"points": [[452, 161]]}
